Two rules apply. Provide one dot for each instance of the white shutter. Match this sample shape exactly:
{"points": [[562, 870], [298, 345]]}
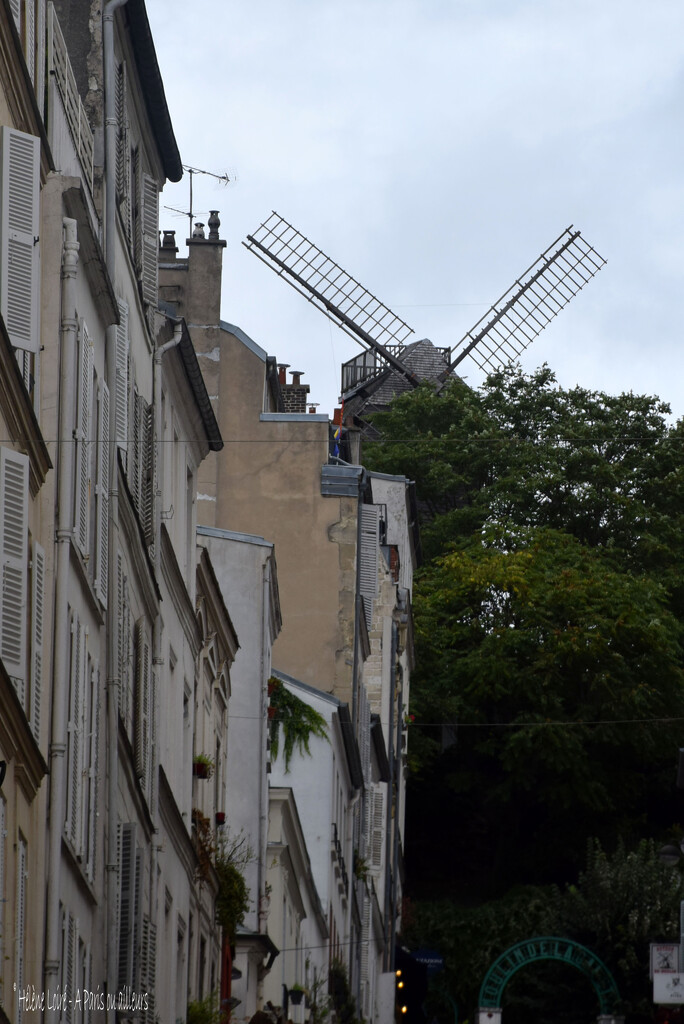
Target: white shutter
{"points": [[14, 483], [368, 558], [70, 965], [76, 739], [37, 623], [93, 771], [20, 934], [127, 863], [123, 156], [378, 828], [30, 40], [85, 378], [102, 520], [148, 475], [149, 217], [15, 7], [137, 916], [142, 709], [19, 232], [122, 377], [41, 57]]}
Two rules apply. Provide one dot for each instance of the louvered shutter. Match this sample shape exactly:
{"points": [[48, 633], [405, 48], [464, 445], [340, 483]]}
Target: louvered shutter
{"points": [[147, 476], [142, 710], [37, 623], [76, 739], [30, 40], [378, 828], [85, 378], [364, 733], [102, 520], [70, 965], [15, 7], [149, 217], [134, 974], [368, 558], [136, 453], [122, 377], [126, 902], [14, 482], [19, 234], [93, 773], [151, 981], [123, 156]]}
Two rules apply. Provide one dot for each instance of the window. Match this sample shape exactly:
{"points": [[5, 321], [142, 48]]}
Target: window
{"points": [[368, 558], [19, 237], [14, 474]]}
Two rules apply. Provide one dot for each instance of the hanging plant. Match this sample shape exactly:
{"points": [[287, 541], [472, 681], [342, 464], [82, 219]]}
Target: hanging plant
{"points": [[299, 721]]}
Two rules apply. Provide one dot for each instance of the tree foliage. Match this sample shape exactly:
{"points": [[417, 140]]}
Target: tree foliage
{"points": [[548, 682]]}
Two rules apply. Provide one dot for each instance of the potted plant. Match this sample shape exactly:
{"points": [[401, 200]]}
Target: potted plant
{"points": [[297, 993], [220, 818], [202, 766]]}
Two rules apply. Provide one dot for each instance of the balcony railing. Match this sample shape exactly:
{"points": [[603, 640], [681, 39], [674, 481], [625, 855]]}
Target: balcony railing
{"points": [[337, 846], [59, 65]]}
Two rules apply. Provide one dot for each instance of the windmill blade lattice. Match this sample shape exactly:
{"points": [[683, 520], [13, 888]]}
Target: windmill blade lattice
{"points": [[529, 305], [335, 292]]}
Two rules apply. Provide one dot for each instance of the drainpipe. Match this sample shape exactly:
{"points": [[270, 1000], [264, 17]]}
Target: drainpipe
{"points": [[62, 635], [263, 725], [395, 836], [388, 909], [357, 607], [113, 682]]}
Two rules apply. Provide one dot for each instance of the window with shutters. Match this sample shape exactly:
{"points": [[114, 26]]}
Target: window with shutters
{"points": [[143, 704], [20, 926], [121, 398], [14, 478], [130, 905], [90, 726], [69, 965], [37, 582], [102, 496], [19, 237], [79, 747], [125, 646], [377, 828], [123, 151], [141, 475], [82, 497], [368, 558]]}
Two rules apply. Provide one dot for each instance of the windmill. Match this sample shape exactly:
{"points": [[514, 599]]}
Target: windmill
{"points": [[390, 362]]}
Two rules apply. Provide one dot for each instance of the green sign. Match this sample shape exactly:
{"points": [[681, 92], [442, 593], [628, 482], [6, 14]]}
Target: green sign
{"points": [[549, 948]]}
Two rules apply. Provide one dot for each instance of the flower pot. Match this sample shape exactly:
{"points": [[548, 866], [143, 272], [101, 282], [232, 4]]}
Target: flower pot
{"points": [[200, 771], [296, 996], [220, 817]]}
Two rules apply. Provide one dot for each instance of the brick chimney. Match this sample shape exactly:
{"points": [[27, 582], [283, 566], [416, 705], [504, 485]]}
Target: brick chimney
{"points": [[294, 394]]}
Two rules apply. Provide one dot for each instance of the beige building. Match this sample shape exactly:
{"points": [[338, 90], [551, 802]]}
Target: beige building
{"points": [[346, 545]]}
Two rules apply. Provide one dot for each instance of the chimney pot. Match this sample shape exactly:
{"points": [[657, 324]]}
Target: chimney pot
{"points": [[214, 225], [296, 377], [198, 231], [282, 367], [337, 417], [169, 240], [313, 406]]}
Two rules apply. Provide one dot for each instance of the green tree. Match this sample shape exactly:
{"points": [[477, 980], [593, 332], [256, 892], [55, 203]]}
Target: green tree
{"points": [[548, 622]]}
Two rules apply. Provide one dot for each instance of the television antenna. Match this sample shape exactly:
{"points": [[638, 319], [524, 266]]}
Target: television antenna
{"points": [[223, 179], [501, 335]]}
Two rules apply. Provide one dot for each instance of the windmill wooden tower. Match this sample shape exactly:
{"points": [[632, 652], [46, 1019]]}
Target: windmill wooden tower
{"points": [[390, 362]]}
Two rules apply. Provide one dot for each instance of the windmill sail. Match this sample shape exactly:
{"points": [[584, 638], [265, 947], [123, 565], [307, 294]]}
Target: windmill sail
{"points": [[335, 292], [390, 364], [529, 305]]}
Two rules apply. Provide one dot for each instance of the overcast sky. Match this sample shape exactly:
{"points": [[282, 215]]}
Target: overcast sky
{"points": [[434, 148]]}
